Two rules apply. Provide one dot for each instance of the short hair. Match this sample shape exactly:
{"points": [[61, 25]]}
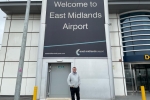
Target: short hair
{"points": [[74, 67]]}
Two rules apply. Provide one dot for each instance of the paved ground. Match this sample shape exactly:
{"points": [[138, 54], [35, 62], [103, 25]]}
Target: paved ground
{"points": [[136, 96], [12, 98], [133, 96]]}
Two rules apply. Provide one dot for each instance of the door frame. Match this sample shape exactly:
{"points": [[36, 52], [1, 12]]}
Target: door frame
{"points": [[44, 75]]}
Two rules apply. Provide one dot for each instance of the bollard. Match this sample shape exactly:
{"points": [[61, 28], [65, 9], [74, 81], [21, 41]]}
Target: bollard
{"points": [[143, 93], [35, 93]]}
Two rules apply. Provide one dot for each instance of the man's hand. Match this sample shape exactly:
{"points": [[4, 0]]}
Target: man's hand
{"points": [[72, 86]]}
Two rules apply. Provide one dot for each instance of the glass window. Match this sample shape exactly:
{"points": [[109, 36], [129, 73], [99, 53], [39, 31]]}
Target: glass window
{"points": [[141, 37], [127, 48], [126, 33], [140, 27], [142, 47], [136, 28], [141, 42], [124, 20], [141, 32], [126, 29], [126, 38], [127, 43], [140, 22], [143, 25], [129, 53], [140, 18], [125, 24]]}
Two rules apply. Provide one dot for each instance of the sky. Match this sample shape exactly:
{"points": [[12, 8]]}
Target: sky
{"points": [[2, 24]]}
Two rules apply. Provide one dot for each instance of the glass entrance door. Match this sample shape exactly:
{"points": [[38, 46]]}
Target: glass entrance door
{"points": [[137, 75], [141, 78]]}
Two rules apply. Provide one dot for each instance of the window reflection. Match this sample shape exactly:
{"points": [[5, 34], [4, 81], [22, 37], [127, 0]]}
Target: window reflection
{"points": [[136, 37], [127, 38], [136, 27], [141, 37], [126, 33], [141, 47], [124, 20], [126, 24], [126, 29], [141, 32], [127, 48], [136, 47], [140, 27], [127, 43], [141, 42], [136, 32], [140, 22], [136, 42], [139, 18]]}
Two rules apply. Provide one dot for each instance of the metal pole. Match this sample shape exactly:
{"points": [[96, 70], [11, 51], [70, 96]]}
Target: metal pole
{"points": [[35, 93], [22, 53], [143, 95]]}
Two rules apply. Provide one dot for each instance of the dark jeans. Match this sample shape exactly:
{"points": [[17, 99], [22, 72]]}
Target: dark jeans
{"points": [[75, 91]]}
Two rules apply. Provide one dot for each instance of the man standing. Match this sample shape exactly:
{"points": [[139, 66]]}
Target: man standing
{"points": [[74, 83]]}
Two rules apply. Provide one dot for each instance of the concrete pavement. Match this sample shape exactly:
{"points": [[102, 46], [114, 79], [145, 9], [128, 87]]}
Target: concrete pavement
{"points": [[12, 98], [132, 96]]}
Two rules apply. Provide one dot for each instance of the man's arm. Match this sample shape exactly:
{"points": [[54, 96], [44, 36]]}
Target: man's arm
{"points": [[79, 80], [68, 80]]}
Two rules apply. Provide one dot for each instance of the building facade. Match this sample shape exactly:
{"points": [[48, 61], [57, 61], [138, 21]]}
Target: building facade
{"points": [[122, 72]]}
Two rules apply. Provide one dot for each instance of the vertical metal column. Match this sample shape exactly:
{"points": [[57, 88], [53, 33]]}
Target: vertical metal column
{"points": [[22, 53], [110, 69], [39, 65]]}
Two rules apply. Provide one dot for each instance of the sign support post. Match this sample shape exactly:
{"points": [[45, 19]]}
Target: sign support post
{"points": [[22, 53]]}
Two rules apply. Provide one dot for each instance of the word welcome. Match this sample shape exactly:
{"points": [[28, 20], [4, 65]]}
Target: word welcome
{"points": [[67, 4]]}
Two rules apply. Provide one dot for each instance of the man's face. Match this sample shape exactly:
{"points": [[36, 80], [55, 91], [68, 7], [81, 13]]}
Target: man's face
{"points": [[74, 70]]}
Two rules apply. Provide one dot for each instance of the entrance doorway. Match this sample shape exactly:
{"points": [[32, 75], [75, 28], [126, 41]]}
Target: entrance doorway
{"points": [[137, 75], [57, 80], [142, 76]]}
